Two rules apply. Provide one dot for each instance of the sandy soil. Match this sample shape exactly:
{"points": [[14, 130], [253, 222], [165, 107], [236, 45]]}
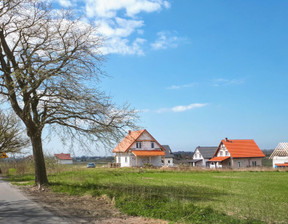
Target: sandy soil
{"points": [[84, 209]]}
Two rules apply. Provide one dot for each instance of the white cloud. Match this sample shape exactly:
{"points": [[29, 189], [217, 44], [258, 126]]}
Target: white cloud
{"points": [[174, 87], [110, 8], [123, 46], [182, 108], [119, 20], [65, 3], [226, 82], [166, 40], [118, 27]]}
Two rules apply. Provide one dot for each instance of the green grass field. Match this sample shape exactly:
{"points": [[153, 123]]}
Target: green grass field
{"points": [[184, 196]]}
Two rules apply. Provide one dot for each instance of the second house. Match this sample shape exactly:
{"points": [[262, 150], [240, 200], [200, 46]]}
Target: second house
{"points": [[237, 154]]}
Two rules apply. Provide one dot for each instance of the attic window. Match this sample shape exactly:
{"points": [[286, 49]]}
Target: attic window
{"points": [[152, 145], [138, 145]]}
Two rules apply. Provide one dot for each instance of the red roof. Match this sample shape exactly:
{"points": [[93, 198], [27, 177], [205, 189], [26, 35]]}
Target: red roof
{"points": [[63, 156], [132, 137], [241, 148], [148, 153], [219, 159]]}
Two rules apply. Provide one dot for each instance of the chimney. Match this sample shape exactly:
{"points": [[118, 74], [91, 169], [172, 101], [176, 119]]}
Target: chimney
{"points": [[226, 140], [129, 132]]}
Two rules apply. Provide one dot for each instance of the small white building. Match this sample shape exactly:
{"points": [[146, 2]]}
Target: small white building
{"points": [[139, 148], [169, 156], [280, 155], [63, 158], [202, 155]]}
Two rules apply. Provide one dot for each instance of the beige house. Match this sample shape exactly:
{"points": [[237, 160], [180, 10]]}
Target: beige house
{"points": [[237, 154], [139, 148]]}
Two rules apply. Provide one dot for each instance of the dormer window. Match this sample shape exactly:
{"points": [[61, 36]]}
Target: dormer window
{"points": [[138, 145], [152, 145]]}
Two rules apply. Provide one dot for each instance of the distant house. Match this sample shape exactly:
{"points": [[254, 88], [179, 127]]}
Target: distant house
{"points": [[169, 156], [280, 155], [63, 158], [139, 148], [237, 154], [202, 155]]}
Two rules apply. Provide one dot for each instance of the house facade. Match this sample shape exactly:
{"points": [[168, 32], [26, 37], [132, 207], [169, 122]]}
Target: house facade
{"points": [[202, 155], [169, 156], [139, 148], [280, 155], [63, 158], [237, 154]]}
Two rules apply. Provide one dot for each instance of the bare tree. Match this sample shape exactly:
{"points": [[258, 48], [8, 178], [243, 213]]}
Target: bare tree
{"points": [[11, 134], [50, 65]]}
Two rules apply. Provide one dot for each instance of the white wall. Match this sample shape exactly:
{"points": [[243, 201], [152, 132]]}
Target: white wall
{"points": [[124, 159], [129, 160], [145, 140], [65, 161], [279, 159], [198, 155], [223, 151], [167, 163]]}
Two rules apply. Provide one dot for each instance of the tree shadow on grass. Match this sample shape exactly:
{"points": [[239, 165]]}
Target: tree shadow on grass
{"points": [[180, 192], [173, 203]]}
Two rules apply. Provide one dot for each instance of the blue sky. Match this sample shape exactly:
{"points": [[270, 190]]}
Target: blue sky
{"points": [[198, 71]]}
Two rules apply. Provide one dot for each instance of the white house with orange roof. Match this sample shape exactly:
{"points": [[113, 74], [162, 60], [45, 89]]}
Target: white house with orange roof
{"points": [[139, 148], [280, 155], [237, 154]]}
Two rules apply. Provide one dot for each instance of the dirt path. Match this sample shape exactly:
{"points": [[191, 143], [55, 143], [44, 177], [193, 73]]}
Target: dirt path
{"points": [[84, 209]]}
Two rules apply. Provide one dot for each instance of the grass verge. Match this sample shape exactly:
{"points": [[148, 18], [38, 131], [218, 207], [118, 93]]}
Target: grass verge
{"points": [[185, 197]]}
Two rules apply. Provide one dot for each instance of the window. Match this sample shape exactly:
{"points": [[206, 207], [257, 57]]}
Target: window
{"points": [[227, 153], [221, 153], [254, 163], [168, 161], [239, 164], [138, 145], [126, 159], [152, 145]]}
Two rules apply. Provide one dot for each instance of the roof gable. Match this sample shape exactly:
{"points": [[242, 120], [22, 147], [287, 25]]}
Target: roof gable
{"points": [[280, 150], [168, 151], [63, 156], [132, 137], [207, 152], [243, 148]]}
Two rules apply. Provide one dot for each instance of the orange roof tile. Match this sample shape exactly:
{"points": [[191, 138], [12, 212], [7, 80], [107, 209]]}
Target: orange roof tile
{"points": [[148, 153], [242, 148], [63, 156], [127, 142], [281, 164], [132, 137], [219, 159]]}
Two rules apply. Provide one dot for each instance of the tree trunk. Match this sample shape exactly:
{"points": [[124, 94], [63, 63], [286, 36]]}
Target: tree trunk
{"points": [[40, 169]]}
